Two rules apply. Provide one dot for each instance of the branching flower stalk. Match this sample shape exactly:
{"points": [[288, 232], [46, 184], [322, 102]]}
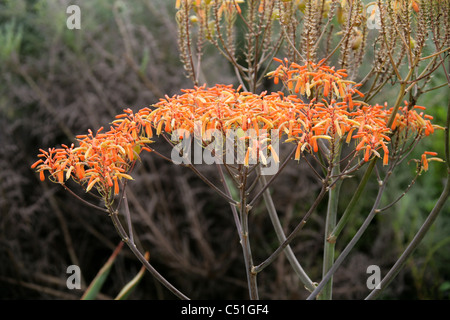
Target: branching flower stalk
{"points": [[358, 42], [129, 241], [309, 285], [427, 223], [104, 159], [320, 110]]}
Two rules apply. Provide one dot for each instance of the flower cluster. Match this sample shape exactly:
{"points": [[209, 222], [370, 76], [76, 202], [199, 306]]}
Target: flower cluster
{"points": [[100, 159], [407, 118], [331, 113], [203, 112], [312, 77], [333, 109], [224, 108]]}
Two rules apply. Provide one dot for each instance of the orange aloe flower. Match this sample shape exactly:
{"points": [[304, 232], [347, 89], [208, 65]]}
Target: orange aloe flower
{"points": [[100, 160], [201, 110], [334, 109], [333, 114], [424, 160], [312, 77]]}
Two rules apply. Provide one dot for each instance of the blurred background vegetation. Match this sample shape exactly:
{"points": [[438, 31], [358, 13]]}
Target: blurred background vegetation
{"points": [[57, 83]]}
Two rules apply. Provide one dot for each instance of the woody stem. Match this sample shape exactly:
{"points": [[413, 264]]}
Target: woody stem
{"points": [[245, 241], [125, 238]]}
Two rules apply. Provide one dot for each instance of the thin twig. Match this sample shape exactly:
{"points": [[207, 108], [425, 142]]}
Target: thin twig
{"points": [[282, 237], [401, 196], [261, 191], [138, 254], [212, 185], [297, 229], [84, 201], [128, 217]]}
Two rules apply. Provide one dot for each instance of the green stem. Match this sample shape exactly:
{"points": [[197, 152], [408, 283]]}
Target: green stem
{"points": [[329, 242], [329, 267], [237, 222], [352, 204], [352, 242]]}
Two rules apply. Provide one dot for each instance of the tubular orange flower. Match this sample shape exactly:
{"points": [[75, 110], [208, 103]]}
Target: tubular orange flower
{"points": [[315, 77], [333, 114], [99, 160], [425, 161], [116, 185], [274, 154]]}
